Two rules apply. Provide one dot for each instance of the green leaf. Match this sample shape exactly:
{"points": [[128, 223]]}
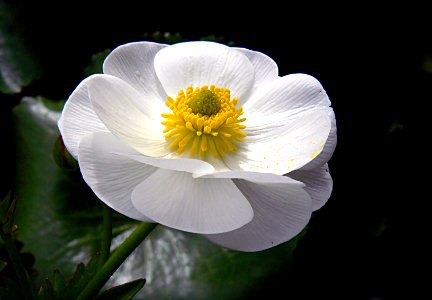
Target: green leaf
{"points": [[57, 214], [81, 277], [181, 265], [58, 287], [10, 290], [7, 209], [3, 265], [18, 67], [60, 218], [123, 292], [58, 282]]}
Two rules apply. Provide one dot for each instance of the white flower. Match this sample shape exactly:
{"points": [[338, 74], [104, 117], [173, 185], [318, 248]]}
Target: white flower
{"points": [[204, 138]]}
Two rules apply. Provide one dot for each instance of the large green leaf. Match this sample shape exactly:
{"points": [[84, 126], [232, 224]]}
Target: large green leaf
{"points": [[56, 214], [59, 220], [18, 67]]}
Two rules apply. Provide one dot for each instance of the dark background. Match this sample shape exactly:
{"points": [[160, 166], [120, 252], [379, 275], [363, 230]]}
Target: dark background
{"points": [[368, 241]]}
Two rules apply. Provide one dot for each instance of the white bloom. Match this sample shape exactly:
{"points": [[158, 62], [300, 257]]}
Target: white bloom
{"points": [[204, 138]]}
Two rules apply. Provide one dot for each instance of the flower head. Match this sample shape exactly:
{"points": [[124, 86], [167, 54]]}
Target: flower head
{"points": [[204, 138]]}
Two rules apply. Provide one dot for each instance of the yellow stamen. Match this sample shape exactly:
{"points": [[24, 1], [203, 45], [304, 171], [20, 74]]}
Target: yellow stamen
{"points": [[205, 121]]}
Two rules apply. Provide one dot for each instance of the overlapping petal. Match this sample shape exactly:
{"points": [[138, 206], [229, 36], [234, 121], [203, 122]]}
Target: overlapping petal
{"points": [[204, 63], [134, 63], [195, 205], [288, 123], [112, 177], [265, 68], [128, 114], [280, 145], [287, 95], [281, 211], [329, 146], [318, 184], [78, 118]]}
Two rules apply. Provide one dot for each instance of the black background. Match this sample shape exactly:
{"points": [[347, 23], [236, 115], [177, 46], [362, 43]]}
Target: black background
{"points": [[368, 241]]}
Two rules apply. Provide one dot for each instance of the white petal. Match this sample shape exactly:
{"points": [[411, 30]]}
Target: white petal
{"points": [[177, 200], [287, 95], [190, 165], [266, 70], [250, 176], [204, 63], [134, 63], [281, 211], [319, 184], [112, 177], [78, 118], [281, 145], [128, 114], [329, 146]]}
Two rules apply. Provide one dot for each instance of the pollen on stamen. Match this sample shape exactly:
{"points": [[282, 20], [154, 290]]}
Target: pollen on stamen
{"points": [[203, 121]]}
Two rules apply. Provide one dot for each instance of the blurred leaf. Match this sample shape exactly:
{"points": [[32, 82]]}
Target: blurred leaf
{"points": [[58, 216], [165, 37], [9, 281], [47, 291], [427, 63], [96, 63], [62, 157], [217, 39], [60, 219], [7, 209], [80, 278], [18, 67], [10, 290], [59, 281], [58, 287], [123, 292], [179, 265], [3, 265]]}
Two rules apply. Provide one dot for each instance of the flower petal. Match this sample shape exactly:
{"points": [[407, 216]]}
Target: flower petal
{"points": [[204, 63], [250, 176], [329, 146], [134, 63], [128, 114], [287, 95], [190, 165], [266, 70], [281, 211], [281, 145], [112, 177], [78, 118], [319, 184], [177, 200]]}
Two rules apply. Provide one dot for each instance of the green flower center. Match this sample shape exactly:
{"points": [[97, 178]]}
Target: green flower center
{"points": [[205, 102]]}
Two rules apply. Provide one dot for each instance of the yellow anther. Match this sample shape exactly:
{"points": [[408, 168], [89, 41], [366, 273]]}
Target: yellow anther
{"points": [[203, 120], [207, 129]]}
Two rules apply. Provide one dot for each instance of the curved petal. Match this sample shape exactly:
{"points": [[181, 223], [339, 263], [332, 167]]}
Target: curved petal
{"points": [[250, 176], [134, 63], [204, 63], [112, 177], [128, 114], [329, 146], [177, 200], [288, 95], [189, 165], [266, 70], [281, 211], [78, 118], [280, 146], [319, 184]]}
